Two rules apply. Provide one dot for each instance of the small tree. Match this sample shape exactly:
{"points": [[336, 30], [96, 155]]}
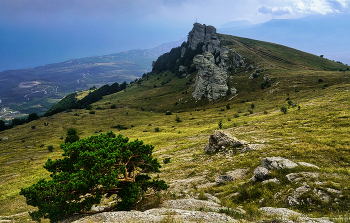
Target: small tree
{"points": [[71, 136], [284, 109], [220, 124], [177, 118], [92, 168]]}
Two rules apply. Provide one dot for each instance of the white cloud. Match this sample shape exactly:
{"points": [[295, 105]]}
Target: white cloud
{"points": [[278, 11]]}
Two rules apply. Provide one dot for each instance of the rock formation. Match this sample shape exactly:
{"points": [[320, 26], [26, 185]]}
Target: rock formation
{"points": [[221, 140], [212, 70], [210, 80]]}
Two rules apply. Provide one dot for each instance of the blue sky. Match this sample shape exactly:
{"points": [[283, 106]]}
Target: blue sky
{"points": [[38, 32]]}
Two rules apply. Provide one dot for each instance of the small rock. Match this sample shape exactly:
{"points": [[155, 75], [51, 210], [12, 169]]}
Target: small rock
{"points": [[272, 163], [274, 180], [221, 139], [223, 179], [261, 173], [333, 191], [308, 165], [212, 198]]}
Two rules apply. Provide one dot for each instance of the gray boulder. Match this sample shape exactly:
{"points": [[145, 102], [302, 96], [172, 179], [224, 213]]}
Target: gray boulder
{"points": [[221, 140], [277, 163], [261, 173]]}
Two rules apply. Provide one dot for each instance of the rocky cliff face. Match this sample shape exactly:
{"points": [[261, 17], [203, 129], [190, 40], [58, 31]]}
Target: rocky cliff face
{"points": [[210, 80], [212, 70]]}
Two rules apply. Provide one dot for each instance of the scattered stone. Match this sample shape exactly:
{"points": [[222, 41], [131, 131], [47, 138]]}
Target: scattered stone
{"points": [[308, 165], [274, 180], [4, 138], [322, 195], [212, 198], [250, 67], [221, 140], [223, 179], [293, 200], [238, 173], [261, 173], [272, 163], [157, 215], [298, 177], [333, 191], [285, 213]]}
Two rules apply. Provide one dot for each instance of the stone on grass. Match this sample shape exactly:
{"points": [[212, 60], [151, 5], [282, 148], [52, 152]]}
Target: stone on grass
{"points": [[277, 163], [261, 173], [223, 179], [221, 140]]}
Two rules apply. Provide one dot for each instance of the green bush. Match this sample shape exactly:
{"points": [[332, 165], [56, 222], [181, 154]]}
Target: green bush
{"points": [[168, 113], [252, 106], [156, 129], [91, 112], [220, 124], [228, 107], [50, 148], [284, 109], [177, 119], [166, 160], [113, 106]]}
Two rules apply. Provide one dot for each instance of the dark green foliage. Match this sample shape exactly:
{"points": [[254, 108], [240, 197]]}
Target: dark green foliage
{"points": [[71, 132], [33, 127], [113, 106], [177, 119], [284, 109], [71, 136], [70, 101], [252, 106], [267, 83], [220, 124], [166, 160], [91, 168], [50, 148], [120, 127], [172, 60], [168, 113], [91, 112], [320, 80], [250, 111], [236, 115], [156, 129]]}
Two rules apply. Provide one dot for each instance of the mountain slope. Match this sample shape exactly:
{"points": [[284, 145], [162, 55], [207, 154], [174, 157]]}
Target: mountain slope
{"points": [[315, 132]]}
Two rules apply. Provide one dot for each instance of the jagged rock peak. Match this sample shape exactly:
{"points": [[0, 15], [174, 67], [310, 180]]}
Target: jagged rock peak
{"points": [[203, 34]]}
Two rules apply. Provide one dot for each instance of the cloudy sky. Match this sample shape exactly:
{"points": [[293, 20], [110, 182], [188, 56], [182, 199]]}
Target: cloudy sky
{"points": [[37, 32]]}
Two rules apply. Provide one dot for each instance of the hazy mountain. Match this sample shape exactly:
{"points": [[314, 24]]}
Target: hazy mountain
{"points": [[317, 34]]}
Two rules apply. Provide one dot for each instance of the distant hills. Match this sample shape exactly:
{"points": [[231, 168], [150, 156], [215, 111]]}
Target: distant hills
{"points": [[36, 89], [316, 34]]}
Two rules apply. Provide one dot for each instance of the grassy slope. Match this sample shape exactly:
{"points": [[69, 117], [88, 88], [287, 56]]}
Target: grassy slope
{"points": [[317, 133]]}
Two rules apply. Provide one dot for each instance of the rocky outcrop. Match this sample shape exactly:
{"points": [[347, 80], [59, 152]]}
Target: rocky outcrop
{"points": [[221, 140], [206, 35], [212, 70], [210, 80], [180, 210]]}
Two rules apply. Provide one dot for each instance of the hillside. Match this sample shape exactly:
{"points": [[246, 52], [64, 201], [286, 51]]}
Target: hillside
{"points": [[314, 129], [37, 89]]}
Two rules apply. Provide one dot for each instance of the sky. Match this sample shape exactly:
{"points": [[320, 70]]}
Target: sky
{"points": [[39, 32]]}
